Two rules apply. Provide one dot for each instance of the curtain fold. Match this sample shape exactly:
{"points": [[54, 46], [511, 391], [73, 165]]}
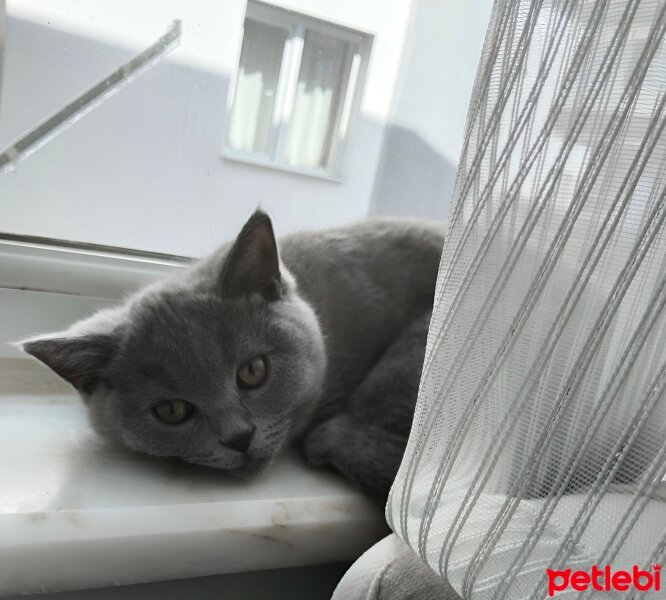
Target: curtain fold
{"points": [[539, 439]]}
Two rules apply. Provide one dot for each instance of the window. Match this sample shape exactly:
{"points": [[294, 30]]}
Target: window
{"points": [[297, 88]]}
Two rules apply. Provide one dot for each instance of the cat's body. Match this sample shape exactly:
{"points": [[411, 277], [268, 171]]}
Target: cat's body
{"points": [[367, 284], [322, 348]]}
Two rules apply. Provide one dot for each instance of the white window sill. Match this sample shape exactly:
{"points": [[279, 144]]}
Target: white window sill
{"points": [[76, 512], [258, 161], [90, 271], [46, 285]]}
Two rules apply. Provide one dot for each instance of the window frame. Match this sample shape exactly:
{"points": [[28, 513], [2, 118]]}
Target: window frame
{"points": [[297, 24]]}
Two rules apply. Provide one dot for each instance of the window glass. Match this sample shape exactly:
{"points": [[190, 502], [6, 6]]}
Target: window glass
{"points": [[252, 116], [322, 113], [323, 84], [297, 91]]}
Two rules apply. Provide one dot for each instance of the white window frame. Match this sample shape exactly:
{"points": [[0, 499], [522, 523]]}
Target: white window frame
{"points": [[297, 24]]}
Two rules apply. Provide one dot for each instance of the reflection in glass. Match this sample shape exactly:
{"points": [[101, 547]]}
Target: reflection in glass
{"points": [[319, 100], [256, 87]]}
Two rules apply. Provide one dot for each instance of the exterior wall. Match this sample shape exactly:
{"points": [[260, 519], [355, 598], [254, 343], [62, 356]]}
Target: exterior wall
{"points": [[424, 135], [144, 170]]}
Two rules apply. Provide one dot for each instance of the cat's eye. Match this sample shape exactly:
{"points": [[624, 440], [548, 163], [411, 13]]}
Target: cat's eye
{"points": [[173, 412], [252, 373]]}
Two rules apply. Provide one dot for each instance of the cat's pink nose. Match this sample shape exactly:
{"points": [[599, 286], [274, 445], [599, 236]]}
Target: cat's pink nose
{"points": [[241, 439]]}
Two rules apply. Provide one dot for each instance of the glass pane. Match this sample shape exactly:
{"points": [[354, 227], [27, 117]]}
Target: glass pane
{"points": [[256, 87], [143, 169], [320, 95]]}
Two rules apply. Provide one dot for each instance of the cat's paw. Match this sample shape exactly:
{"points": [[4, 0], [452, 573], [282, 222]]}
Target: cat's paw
{"points": [[325, 440]]}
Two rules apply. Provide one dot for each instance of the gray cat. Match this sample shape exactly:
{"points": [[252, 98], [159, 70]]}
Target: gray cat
{"points": [[232, 358]]}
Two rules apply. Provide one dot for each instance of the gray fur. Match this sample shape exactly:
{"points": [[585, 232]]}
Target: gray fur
{"points": [[342, 317]]}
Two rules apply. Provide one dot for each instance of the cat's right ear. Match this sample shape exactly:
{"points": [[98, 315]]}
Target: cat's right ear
{"points": [[252, 265], [77, 359]]}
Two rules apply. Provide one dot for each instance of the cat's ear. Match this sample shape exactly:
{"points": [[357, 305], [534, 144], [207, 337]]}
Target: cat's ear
{"points": [[77, 359], [252, 265]]}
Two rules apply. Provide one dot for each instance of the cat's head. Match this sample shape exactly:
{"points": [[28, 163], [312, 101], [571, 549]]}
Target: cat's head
{"points": [[218, 366]]}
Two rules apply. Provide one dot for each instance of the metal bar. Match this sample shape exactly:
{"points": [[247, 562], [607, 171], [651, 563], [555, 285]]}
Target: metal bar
{"points": [[88, 100]]}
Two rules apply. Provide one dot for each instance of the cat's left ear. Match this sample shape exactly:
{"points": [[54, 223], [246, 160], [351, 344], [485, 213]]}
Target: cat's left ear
{"points": [[77, 359], [252, 265]]}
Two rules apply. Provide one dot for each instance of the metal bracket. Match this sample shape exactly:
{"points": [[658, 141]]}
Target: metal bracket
{"points": [[88, 100]]}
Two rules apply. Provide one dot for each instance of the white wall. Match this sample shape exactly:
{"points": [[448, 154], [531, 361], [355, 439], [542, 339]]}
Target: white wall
{"points": [[144, 169], [425, 130]]}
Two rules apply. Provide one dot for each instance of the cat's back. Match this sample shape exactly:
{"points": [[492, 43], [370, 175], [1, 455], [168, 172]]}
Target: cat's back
{"points": [[391, 238], [363, 263], [368, 262]]}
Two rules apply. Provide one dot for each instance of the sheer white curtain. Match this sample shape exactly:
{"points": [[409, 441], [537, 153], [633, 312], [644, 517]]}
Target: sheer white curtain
{"points": [[539, 439]]}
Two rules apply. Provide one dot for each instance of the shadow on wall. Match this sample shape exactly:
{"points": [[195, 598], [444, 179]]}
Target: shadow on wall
{"points": [[144, 170], [130, 169], [413, 179]]}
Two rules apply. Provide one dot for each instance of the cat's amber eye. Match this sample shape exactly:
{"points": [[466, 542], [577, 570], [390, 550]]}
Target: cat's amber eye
{"points": [[252, 373], [173, 412]]}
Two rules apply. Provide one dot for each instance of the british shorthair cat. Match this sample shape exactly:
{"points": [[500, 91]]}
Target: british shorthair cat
{"points": [[316, 341]]}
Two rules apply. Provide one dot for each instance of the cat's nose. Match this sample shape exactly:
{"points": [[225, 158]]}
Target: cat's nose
{"points": [[241, 439]]}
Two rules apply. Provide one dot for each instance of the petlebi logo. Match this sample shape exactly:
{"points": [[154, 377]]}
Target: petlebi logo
{"points": [[604, 579]]}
